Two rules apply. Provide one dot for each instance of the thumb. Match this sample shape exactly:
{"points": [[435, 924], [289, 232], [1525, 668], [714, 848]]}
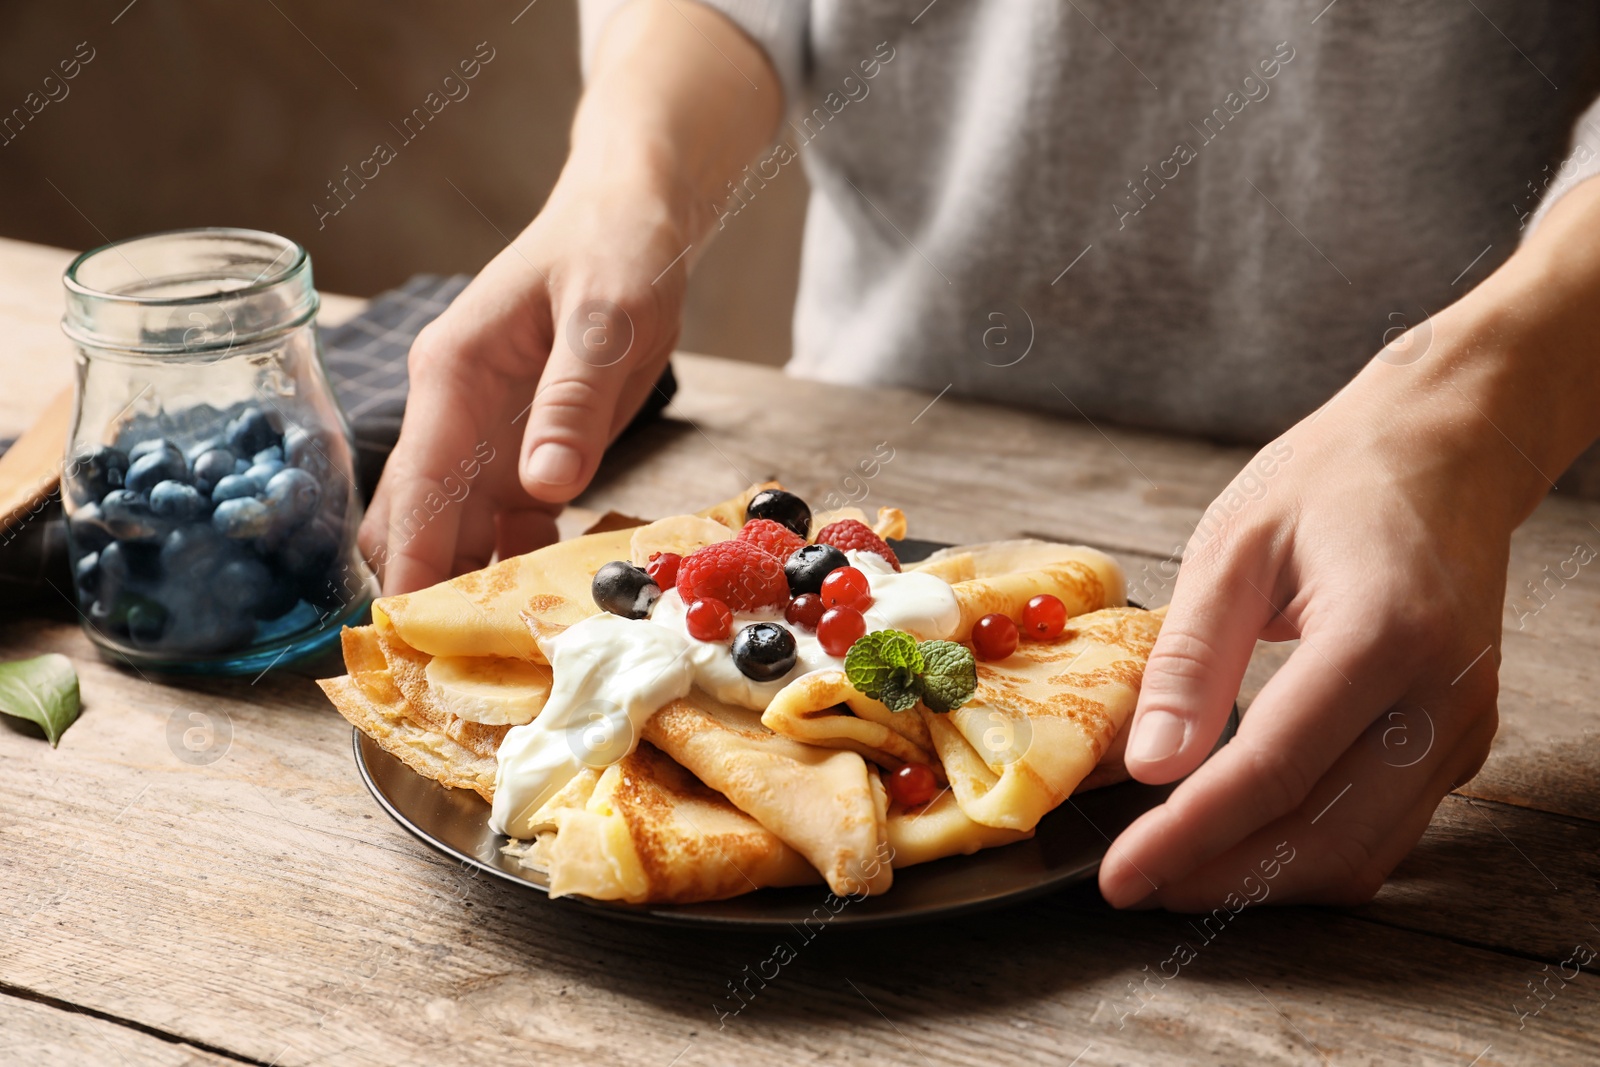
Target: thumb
{"points": [[595, 348], [1192, 678]]}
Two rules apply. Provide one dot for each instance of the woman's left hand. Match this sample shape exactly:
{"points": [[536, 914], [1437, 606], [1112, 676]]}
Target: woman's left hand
{"points": [[1376, 533]]}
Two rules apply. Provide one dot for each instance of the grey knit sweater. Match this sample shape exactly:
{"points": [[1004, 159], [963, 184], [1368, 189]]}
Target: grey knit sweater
{"points": [[1202, 217]]}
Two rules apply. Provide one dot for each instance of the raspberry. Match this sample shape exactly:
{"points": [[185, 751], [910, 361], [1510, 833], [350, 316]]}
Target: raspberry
{"points": [[742, 575], [775, 537], [853, 535]]}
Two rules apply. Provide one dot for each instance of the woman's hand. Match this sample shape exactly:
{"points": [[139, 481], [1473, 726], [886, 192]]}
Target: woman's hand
{"points": [[519, 386], [1377, 533], [517, 389]]}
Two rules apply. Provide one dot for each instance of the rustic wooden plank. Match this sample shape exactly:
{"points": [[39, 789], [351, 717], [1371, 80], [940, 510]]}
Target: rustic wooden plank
{"points": [[263, 904], [34, 1033]]}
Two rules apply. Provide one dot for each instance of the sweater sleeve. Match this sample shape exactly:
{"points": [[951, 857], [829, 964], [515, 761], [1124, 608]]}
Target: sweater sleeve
{"points": [[778, 26], [1581, 163]]}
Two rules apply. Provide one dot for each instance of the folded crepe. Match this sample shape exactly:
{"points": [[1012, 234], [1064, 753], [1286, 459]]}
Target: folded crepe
{"points": [[645, 830], [823, 708], [1041, 719], [823, 802], [940, 828], [506, 608], [373, 703], [1006, 575]]}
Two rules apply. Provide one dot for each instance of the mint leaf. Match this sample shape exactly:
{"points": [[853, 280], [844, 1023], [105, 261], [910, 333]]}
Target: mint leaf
{"points": [[899, 693], [43, 690], [885, 666], [950, 675]]}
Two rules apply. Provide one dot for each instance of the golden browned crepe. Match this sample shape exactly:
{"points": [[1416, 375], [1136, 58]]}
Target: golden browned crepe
{"points": [[645, 830], [1085, 580], [824, 802], [1042, 718], [369, 698], [823, 708], [940, 828]]}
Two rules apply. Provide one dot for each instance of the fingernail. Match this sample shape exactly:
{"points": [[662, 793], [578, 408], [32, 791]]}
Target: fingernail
{"points": [[1158, 735], [554, 464]]}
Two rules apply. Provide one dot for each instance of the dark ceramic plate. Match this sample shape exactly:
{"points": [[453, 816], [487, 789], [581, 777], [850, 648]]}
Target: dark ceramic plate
{"points": [[1067, 848]]}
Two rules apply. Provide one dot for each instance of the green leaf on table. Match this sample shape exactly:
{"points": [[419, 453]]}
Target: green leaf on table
{"points": [[43, 690]]}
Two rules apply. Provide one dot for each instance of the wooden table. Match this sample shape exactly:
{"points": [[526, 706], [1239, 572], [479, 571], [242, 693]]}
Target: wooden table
{"points": [[260, 908]]}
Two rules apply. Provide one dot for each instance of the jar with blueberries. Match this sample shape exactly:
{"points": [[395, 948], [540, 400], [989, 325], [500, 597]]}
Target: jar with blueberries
{"points": [[209, 481]]}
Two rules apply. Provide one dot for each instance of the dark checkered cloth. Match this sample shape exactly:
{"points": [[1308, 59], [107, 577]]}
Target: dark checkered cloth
{"points": [[366, 361]]}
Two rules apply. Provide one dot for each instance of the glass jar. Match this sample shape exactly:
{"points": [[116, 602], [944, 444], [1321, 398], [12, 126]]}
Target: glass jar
{"points": [[209, 482]]}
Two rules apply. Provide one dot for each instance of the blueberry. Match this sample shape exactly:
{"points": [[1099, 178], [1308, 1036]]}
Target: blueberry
{"points": [[242, 518], [210, 467], [233, 487], [261, 473], [94, 473], [200, 448], [294, 494], [623, 589], [196, 551], [152, 467], [272, 454], [806, 568], [250, 432], [86, 573], [147, 621], [307, 450], [177, 501], [149, 445], [128, 517], [243, 584], [764, 651], [780, 507], [308, 558], [124, 563], [88, 528]]}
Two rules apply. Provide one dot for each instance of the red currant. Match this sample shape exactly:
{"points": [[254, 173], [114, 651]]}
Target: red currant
{"points": [[663, 568], [839, 628], [1045, 617], [846, 588], [805, 611], [709, 619], [911, 785], [994, 636]]}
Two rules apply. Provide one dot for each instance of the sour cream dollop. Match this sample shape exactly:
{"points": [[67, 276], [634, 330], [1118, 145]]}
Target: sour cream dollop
{"points": [[611, 674]]}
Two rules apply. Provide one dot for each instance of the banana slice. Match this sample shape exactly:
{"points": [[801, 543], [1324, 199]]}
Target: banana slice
{"points": [[493, 690], [677, 533]]}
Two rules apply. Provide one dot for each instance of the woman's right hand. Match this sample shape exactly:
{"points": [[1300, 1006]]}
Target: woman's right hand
{"points": [[517, 389]]}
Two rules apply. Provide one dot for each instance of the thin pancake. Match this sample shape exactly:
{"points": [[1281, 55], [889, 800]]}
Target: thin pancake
{"points": [[645, 830], [939, 829], [504, 609], [1042, 718], [821, 801], [373, 704], [1086, 581], [823, 708]]}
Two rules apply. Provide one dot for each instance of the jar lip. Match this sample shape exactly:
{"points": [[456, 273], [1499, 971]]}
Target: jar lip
{"points": [[261, 284]]}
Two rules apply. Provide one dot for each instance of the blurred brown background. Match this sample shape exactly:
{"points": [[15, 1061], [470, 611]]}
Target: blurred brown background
{"points": [[240, 114]]}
